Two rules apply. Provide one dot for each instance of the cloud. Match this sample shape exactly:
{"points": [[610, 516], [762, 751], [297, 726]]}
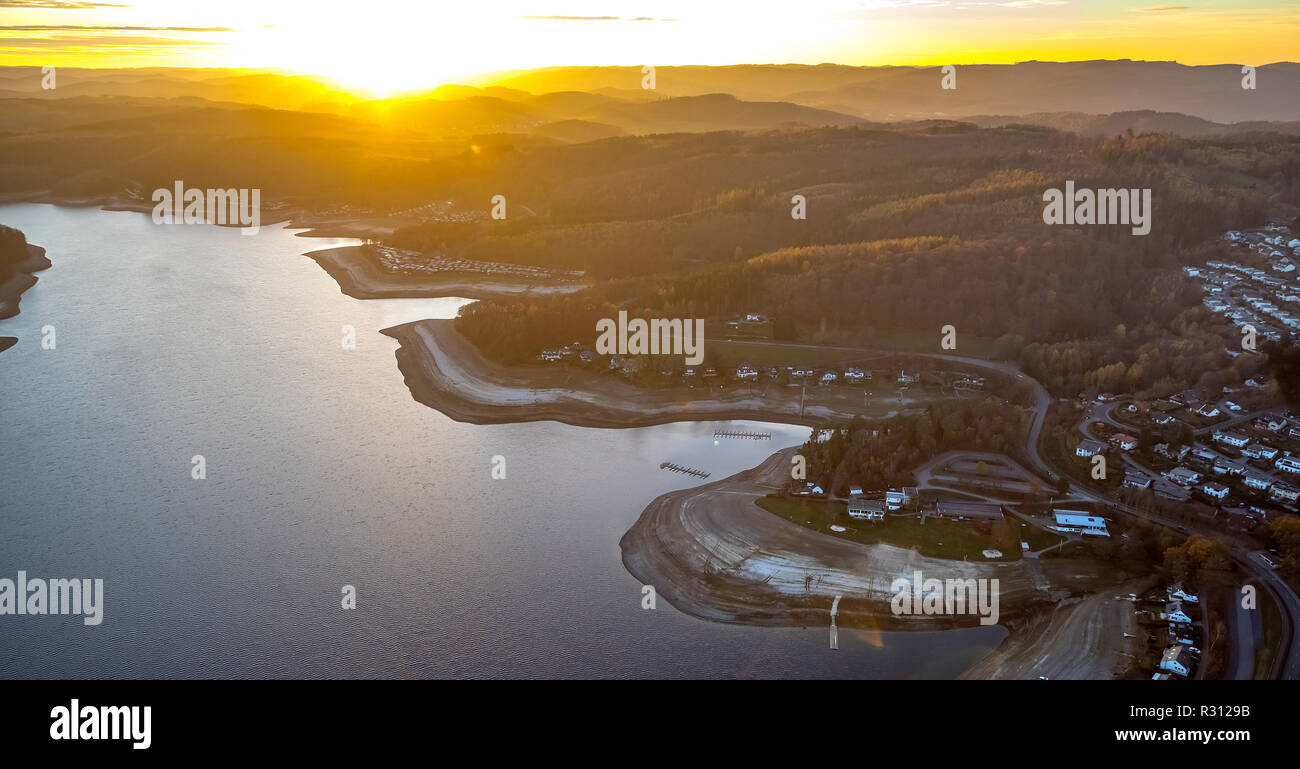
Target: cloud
{"points": [[1158, 8], [99, 28], [54, 5], [100, 41], [593, 18]]}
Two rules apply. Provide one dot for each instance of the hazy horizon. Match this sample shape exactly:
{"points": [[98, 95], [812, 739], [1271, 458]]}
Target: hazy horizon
{"points": [[399, 47]]}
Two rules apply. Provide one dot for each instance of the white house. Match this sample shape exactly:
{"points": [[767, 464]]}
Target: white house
{"points": [[1260, 451], [1288, 464], [1231, 438], [1257, 481], [1124, 442], [1184, 476], [1177, 593], [1174, 612], [895, 499], [1284, 493], [868, 509], [1088, 448], [1136, 480], [1216, 490], [1176, 659]]}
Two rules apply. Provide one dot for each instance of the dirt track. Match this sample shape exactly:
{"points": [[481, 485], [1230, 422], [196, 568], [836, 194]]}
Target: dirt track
{"points": [[1081, 639]]}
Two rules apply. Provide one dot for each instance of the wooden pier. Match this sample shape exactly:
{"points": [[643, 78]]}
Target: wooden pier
{"points": [[750, 434], [679, 469]]}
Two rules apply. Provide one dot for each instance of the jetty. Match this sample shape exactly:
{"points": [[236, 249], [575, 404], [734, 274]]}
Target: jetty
{"points": [[679, 469], [750, 434]]}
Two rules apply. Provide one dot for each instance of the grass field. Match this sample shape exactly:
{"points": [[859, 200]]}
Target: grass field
{"points": [[936, 538], [1037, 537]]}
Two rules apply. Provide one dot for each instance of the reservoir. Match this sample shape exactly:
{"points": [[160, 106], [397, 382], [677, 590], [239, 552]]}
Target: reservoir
{"points": [[321, 471]]}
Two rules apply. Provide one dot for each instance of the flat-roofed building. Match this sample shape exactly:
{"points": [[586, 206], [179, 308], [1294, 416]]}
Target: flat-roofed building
{"points": [[1080, 521]]}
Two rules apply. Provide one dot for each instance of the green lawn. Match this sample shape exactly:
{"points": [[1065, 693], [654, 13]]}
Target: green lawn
{"points": [[1037, 537], [936, 538]]}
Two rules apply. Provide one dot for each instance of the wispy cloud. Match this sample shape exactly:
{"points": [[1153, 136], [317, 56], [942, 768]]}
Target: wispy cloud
{"points": [[1166, 8], [593, 18], [101, 41], [53, 5], [104, 28]]}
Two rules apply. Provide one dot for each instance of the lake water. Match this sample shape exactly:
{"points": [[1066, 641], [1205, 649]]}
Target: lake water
{"points": [[176, 341]]}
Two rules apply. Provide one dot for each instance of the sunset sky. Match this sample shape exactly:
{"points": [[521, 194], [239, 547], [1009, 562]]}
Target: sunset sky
{"points": [[391, 45]]}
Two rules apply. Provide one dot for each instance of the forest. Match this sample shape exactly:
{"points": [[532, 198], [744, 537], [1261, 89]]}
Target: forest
{"points": [[886, 454], [912, 228]]}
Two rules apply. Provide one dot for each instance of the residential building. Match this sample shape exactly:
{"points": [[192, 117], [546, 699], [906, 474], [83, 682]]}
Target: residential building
{"points": [[868, 509], [1177, 660], [1124, 442], [1215, 490], [1184, 476], [1231, 438], [1089, 448]]}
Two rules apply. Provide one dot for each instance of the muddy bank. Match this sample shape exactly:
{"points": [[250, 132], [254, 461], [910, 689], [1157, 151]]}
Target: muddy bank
{"points": [[361, 278], [12, 289], [713, 553], [1079, 639], [444, 371]]}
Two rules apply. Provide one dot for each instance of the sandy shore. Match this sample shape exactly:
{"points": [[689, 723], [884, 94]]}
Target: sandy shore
{"points": [[715, 554], [361, 278], [12, 289], [444, 371]]}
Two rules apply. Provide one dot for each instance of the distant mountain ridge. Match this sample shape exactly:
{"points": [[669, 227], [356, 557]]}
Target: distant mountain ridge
{"points": [[1210, 92]]}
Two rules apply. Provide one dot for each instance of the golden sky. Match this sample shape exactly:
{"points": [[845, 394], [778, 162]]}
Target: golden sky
{"points": [[393, 45]]}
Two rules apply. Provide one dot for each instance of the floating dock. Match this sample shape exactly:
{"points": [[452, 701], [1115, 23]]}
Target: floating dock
{"points": [[757, 436], [679, 469]]}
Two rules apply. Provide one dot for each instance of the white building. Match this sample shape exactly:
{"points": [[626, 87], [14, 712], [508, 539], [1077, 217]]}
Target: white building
{"points": [[867, 509], [1176, 659], [1080, 521]]}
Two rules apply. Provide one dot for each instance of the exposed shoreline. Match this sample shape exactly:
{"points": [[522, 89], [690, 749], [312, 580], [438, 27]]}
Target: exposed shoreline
{"points": [[360, 278], [713, 553], [444, 371]]}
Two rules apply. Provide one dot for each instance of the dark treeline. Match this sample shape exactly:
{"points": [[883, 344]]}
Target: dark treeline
{"points": [[886, 454], [13, 249]]}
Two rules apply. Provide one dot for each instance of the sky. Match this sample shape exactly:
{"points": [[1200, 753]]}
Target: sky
{"points": [[387, 46]]}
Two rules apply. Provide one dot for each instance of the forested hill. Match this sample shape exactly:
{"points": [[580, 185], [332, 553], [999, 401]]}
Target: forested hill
{"points": [[912, 228]]}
